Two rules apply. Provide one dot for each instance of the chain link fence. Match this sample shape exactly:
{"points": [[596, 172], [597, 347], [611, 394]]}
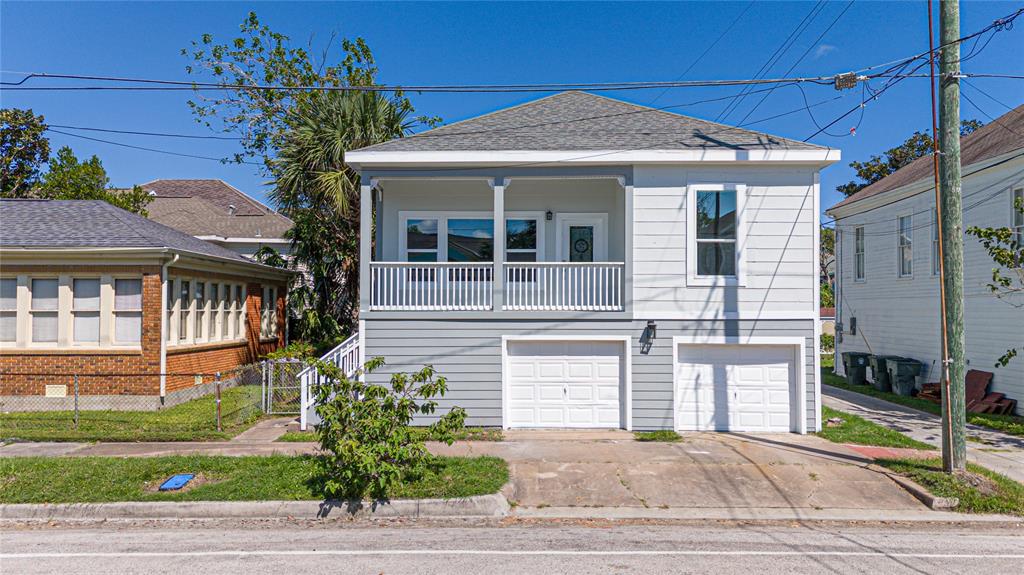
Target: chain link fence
{"points": [[122, 406]]}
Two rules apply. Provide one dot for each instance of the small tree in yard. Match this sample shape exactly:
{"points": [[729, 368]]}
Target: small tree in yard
{"points": [[1006, 248], [365, 441]]}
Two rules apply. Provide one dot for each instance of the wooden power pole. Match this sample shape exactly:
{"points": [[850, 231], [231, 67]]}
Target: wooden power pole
{"points": [[954, 417]]}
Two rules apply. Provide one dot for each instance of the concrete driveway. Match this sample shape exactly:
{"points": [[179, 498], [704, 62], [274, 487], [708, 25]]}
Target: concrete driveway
{"points": [[554, 469]]}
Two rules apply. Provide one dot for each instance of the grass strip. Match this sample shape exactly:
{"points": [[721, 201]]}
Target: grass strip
{"points": [[219, 478], [979, 490], [857, 430], [1008, 424], [193, 420], [662, 435]]}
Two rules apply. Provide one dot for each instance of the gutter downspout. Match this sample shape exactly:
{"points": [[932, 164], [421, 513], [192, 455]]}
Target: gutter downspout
{"points": [[164, 325]]}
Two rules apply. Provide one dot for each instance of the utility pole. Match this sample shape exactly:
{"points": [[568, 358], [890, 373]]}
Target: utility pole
{"points": [[951, 246]]}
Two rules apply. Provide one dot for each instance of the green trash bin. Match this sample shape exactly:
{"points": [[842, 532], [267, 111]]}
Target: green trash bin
{"points": [[902, 372], [880, 372], [856, 365]]}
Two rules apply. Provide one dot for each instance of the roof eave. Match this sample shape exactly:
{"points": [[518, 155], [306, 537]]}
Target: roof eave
{"points": [[107, 252]]}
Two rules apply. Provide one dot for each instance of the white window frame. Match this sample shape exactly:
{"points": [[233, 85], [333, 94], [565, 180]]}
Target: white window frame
{"points": [[860, 260], [114, 311], [539, 218], [442, 229], [30, 338], [692, 278], [241, 295], [1016, 217], [75, 312], [15, 311], [900, 246], [268, 312]]}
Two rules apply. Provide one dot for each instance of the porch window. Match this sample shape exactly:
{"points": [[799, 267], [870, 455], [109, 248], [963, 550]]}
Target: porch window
{"points": [[127, 310], [8, 310], [421, 240], [86, 310], [716, 233], [470, 240], [905, 246]]}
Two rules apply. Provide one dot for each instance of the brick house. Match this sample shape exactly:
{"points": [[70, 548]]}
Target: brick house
{"points": [[135, 308]]}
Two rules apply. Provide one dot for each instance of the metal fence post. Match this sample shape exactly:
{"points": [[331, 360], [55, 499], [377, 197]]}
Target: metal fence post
{"points": [[263, 385], [217, 380], [76, 402]]}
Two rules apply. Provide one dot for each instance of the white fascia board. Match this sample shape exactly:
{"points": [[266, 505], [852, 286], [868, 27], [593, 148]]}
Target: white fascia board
{"points": [[372, 159], [244, 240], [912, 189]]}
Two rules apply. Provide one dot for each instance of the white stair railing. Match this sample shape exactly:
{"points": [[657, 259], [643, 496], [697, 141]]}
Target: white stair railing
{"points": [[347, 356]]}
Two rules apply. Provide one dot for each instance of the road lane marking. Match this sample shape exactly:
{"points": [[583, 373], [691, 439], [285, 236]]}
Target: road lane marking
{"points": [[499, 552]]}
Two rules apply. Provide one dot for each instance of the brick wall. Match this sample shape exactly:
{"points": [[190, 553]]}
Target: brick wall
{"points": [[127, 372]]}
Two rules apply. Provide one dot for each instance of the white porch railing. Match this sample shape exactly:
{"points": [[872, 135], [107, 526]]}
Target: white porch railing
{"points": [[347, 356], [431, 286], [545, 286]]}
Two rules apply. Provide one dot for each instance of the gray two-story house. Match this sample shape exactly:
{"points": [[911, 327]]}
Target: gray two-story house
{"points": [[582, 262]]}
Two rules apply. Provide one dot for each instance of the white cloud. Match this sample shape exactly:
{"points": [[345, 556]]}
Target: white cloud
{"points": [[824, 50]]}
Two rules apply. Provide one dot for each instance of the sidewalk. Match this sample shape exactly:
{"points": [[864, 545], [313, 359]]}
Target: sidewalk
{"points": [[997, 451]]}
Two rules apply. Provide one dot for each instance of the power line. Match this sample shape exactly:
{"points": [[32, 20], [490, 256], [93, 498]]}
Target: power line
{"points": [[706, 50], [990, 118], [155, 150], [136, 133]]}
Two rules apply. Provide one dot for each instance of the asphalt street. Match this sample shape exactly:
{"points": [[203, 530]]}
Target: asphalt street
{"points": [[498, 547]]}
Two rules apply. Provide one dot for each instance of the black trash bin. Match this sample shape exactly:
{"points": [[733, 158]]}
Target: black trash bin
{"points": [[902, 372], [880, 372], [856, 364]]}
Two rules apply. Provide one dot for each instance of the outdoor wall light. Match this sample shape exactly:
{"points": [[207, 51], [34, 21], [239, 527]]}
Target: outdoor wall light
{"points": [[548, 215], [652, 329]]}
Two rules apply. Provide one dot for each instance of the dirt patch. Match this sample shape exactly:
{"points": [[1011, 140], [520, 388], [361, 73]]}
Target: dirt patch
{"points": [[197, 481], [983, 484]]}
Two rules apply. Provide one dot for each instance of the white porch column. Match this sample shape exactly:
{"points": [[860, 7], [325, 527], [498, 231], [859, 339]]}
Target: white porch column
{"points": [[365, 241], [498, 185], [627, 283]]}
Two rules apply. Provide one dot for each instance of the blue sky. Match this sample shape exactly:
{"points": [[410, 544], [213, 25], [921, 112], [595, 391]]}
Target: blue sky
{"points": [[491, 43]]}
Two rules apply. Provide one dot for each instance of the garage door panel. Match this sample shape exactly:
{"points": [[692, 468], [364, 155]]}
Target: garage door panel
{"points": [[521, 392], [580, 393], [734, 387], [580, 369], [551, 369], [551, 393], [521, 370]]}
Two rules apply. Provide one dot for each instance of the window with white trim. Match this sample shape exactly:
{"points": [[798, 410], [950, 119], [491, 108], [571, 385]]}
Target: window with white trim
{"points": [[935, 242], [8, 310], [184, 309], [716, 233], [127, 311], [199, 297], [169, 313], [85, 311], [421, 240], [522, 239], [240, 301], [213, 321], [905, 246], [1018, 216], [268, 312], [858, 253], [223, 312], [44, 310]]}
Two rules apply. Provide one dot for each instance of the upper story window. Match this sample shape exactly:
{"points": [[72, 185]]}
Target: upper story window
{"points": [[469, 237], [44, 310], [470, 240], [521, 243], [8, 310], [85, 310], [1018, 216], [127, 311], [421, 240], [716, 233], [858, 253], [905, 246]]}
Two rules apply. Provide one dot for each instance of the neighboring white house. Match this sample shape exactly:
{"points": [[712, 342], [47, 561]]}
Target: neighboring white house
{"points": [[578, 261], [219, 213], [887, 282]]}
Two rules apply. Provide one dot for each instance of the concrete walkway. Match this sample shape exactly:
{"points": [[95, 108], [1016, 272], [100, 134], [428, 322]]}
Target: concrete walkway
{"points": [[997, 451]]}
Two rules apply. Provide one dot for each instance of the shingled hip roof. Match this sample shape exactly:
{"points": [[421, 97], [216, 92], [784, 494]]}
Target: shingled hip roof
{"points": [[57, 224], [1000, 136], [582, 121], [212, 208]]}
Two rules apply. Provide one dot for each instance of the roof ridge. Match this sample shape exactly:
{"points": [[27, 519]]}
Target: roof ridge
{"points": [[117, 213]]}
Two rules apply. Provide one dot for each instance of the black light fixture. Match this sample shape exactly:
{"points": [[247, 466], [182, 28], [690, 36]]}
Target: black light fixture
{"points": [[652, 329], [548, 215]]}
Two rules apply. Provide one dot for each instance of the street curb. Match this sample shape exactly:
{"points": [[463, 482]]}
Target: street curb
{"points": [[493, 505], [923, 495], [768, 514]]}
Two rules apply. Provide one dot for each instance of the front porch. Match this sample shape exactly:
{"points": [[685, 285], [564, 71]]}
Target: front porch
{"points": [[521, 243]]}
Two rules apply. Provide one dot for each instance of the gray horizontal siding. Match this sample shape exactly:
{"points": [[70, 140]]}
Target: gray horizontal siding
{"points": [[468, 354]]}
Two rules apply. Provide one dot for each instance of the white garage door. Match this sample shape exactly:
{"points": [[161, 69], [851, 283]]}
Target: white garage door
{"points": [[564, 384], [734, 388]]}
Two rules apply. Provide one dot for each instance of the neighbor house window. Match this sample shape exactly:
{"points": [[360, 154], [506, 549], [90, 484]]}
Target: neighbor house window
{"points": [[184, 310], [905, 246], [127, 310], [213, 323], [8, 310], [44, 310], [240, 300], [224, 311], [200, 301], [85, 310], [169, 315], [935, 242], [268, 313], [716, 233], [858, 253]]}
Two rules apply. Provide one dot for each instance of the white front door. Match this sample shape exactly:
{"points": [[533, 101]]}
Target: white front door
{"points": [[735, 387], [564, 384], [582, 238]]}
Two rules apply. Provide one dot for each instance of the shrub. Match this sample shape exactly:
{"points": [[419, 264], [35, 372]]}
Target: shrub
{"points": [[365, 441], [828, 342], [294, 350]]}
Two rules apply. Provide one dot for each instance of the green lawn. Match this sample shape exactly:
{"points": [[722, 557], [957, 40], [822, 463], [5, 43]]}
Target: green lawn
{"points": [[1009, 424], [190, 421], [105, 479], [419, 433], [860, 431], [994, 493], [665, 435]]}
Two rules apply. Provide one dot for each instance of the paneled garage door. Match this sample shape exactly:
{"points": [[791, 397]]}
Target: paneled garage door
{"points": [[734, 387], [565, 384]]}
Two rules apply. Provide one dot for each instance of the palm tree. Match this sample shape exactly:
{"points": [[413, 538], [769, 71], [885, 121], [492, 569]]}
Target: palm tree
{"points": [[314, 186]]}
